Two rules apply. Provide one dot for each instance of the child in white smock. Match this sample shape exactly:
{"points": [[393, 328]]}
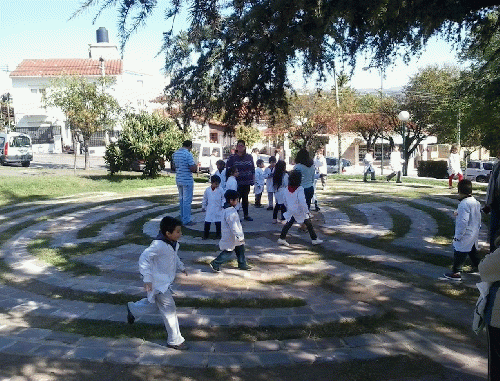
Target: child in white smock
{"points": [[268, 175], [258, 187], [296, 209], [213, 201], [280, 182]]}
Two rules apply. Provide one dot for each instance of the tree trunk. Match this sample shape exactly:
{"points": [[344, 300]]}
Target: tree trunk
{"points": [[86, 150]]}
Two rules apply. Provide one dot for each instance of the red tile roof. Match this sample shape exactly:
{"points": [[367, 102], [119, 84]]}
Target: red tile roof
{"points": [[66, 66]]}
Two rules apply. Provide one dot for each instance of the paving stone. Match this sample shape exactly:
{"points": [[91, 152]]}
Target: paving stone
{"points": [[34, 333], [51, 351], [274, 321], [230, 347], [6, 342], [20, 347], [186, 359], [362, 340], [63, 337], [299, 344], [86, 353], [268, 345], [123, 356]]}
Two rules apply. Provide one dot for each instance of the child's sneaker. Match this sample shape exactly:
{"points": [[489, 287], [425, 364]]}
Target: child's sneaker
{"points": [[270, 208], [283, 242], [245, 267], [453, 276], [317, 241], [214, 267], [275, 221]]}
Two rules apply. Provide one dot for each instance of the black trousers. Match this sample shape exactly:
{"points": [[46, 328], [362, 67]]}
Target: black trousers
{"points": [[244, 190], [289, 224], [277, 208], [459, 258], [309, 193], [493, 353], [206, 230], [257, 199]]}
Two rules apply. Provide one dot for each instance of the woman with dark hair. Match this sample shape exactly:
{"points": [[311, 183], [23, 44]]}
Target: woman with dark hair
{"points": [[305, 165], [280, 182]]}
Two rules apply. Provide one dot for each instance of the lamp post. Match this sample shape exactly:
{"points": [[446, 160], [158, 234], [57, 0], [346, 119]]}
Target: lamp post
{"points": [[404, 116]]}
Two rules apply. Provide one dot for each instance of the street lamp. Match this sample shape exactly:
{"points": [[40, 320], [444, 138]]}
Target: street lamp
{"points": [[404, 116]]}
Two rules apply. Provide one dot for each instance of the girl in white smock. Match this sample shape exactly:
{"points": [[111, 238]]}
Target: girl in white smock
{"points": [[454, 166], [280, 182], [296, 209]]}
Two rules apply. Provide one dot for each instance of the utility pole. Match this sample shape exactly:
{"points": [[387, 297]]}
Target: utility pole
{"points": [[339, 137], [382, 119]]}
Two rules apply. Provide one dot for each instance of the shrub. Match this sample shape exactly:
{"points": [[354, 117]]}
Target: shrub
{"points": [[437, 169]]}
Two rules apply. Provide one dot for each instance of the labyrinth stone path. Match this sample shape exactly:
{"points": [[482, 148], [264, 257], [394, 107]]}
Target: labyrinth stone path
{"points": [[66, 222]]}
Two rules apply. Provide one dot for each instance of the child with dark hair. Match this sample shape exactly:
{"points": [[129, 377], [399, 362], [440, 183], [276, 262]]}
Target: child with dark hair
{"points": [[268, 175], [280, 182], [232, 238], [221, 172], [258, 186], [467, 225], [213, 200], [231, 174], [296, 209], [158, 265]]}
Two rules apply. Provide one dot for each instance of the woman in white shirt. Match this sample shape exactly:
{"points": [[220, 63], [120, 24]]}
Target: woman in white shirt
{"points": [[454, 166]]}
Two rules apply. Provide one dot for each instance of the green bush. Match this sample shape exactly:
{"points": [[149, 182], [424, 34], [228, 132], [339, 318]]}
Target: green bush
{"points": [[437, 169]]}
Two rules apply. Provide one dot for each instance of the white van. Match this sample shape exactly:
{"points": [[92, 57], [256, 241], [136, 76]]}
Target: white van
{"points": [[15, 148], [202, 152]]}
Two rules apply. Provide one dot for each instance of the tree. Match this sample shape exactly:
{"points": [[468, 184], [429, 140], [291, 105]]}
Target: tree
{"points": [[87, 106], [242, 49], [249, 134], [7, 111], [149, 137]]}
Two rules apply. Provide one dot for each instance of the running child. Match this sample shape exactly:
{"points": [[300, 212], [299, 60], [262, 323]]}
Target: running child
{"points": [[296, 209], [158, 265], [233, 238], [213, 200]]}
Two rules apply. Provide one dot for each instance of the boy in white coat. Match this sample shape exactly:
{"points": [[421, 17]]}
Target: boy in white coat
{"points": [[221, 172], [158, 265], [396, 165], [268, 175], [296, 209], [233, 238], [213, 200], [467, 225], [258, 187]]}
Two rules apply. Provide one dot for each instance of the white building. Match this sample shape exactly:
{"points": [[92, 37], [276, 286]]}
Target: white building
{"points": [[48, 127]]}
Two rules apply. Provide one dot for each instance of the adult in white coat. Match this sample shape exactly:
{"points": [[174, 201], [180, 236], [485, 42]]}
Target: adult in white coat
{"points": [[454, 168], [396, 164], [368, 161], [467, 225]]}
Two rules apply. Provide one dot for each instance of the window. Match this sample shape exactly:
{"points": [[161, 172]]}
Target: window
{"points": [[214, 137], [488, 166], [20, 141], [473, 164], [206, 151]]}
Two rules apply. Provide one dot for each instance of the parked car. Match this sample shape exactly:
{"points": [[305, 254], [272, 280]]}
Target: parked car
{"points": [[333, 167], [478, 170], [202, 152], [15, 148]]}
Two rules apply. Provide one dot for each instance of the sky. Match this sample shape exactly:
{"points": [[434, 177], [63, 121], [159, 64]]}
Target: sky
{"points": [[42, 29]]}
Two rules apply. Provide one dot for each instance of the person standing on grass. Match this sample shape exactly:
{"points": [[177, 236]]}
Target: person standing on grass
{"points": [[213, 200], [268, 175], [321, 167], [489, 269], [467, 225], [368, 161], [232, 238], [296, 209], [184, 169], [454, 166], [492, 203], [396, 165], [246, 172], [158, 265]]}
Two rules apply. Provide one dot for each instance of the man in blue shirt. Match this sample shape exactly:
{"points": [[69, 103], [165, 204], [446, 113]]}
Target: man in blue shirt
{"points": [[184, 168]]}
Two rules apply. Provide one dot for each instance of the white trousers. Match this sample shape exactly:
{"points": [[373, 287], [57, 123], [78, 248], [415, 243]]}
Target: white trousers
{"points": [[165, 305]]}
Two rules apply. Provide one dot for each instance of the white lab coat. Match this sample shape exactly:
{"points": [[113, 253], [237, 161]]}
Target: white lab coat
{"points": [[280, 192], [231, 230], [396, 161], [268, 175], [231, 183], [296, 205], [258, 186], [213, 163], [222, 176], [368, 161], [213, 201], [158, 265], [454, 164], [467, 225], [320, 164]]}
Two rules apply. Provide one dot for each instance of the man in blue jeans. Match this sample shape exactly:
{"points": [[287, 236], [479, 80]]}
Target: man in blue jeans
{"points": [[184, 169]]}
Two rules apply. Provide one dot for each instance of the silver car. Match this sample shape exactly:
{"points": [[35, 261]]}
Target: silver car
{"points": [[478, 170]]}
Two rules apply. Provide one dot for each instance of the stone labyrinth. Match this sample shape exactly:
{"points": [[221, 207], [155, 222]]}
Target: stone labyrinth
{"points": [[108, 234]]}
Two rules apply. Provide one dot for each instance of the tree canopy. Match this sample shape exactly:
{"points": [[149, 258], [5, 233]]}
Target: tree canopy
{"points": [[243, 49]]}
